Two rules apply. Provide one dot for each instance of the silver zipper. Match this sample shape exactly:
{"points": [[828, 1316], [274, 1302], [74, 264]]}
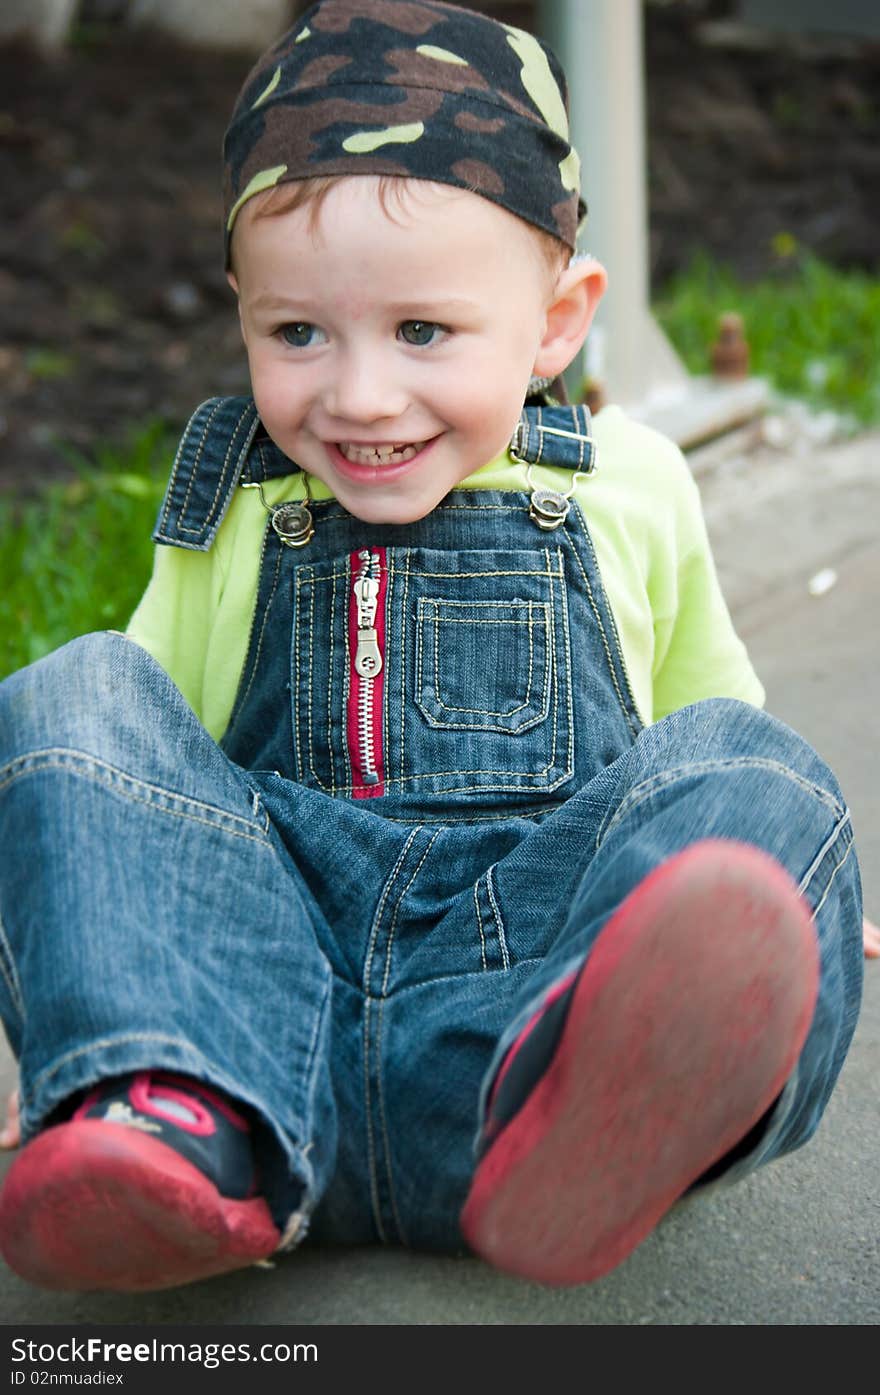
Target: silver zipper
{"points": [[367, 659]]}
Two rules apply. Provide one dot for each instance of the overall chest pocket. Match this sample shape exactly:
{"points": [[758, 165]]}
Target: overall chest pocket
{"points": [[483, 665], [463, 686]]}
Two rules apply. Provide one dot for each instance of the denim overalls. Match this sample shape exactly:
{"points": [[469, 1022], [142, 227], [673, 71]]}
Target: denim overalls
{"points": [[433, 792]]}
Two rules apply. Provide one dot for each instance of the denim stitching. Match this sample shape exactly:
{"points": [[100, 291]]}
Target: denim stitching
{"points": [[634, 727], [555, 679], [529, 777], [310, 1073], [480, 924], [393, 926], [87, 767], [296, 675], [184, 442], [512, 780], [406, 989], [258, 810], [109, 1041], [530, 606], [331, 669], [404, 649], [466, 576], [823, 851], [328, 710], [557, 572], [330, 514], [337, 573], [541, 431], [368, 1122], [419, 665], [423, 622], [437, 621], [392, 930], [314, 715], [449, 818], [310, 705], [233, 444], [401, 1233], [478, 508], [482, 711], [194, 469], [346, 688], [310, 668], [561, 673], [378, 1044], [437, 601], [261, 451], [643, 791], [453, 620], [368, 963], [380, 908], [384, 691], [836, 833], [10, 973], [221, 481], [831, 879], [248, 660], [638, 725], [240, 701], [499, 923]]}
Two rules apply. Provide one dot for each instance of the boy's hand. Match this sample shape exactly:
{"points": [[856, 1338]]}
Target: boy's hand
{"points": [[10, 1134], [871, 939]]}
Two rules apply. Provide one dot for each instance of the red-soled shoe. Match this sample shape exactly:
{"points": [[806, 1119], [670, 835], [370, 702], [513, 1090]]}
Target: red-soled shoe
{"points": [[151, 1184], [678, 1035]]}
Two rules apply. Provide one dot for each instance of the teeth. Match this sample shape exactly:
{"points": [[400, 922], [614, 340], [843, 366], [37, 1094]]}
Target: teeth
{"points": [[383, 453]]}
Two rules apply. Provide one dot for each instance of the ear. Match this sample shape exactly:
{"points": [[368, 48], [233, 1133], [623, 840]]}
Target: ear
{"points": [[231, 278], [569, 315]]}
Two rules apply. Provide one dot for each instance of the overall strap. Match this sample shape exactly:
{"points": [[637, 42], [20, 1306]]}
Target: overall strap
{"points": [[558, 436], [210, 460], [225, 445]]}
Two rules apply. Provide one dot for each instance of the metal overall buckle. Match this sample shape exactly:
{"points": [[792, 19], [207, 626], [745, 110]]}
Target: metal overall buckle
{"points": [[292, 519], [548, 508]]}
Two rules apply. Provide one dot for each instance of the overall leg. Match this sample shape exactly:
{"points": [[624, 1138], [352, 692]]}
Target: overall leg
{"points": [[149, 916], [718, 918]]}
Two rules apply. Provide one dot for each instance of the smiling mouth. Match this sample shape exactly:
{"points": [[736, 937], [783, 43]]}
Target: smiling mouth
{"points": [[382, 453]]}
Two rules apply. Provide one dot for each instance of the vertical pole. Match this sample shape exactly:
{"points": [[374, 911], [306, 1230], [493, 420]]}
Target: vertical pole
{"points": [[599, 43], [47, 22]]}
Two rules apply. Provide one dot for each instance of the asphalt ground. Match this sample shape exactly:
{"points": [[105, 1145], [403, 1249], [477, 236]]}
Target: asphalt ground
{"points": [[798, 1242]]}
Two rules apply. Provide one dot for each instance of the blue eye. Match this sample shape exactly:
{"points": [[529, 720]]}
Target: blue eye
{"points": [[418, 332], [300, 335]]}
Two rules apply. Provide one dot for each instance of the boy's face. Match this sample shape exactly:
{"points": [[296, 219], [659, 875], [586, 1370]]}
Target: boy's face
{"points": [[390, 355]]}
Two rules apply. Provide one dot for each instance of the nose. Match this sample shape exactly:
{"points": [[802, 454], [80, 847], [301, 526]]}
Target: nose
{"points": [[364, 387]]}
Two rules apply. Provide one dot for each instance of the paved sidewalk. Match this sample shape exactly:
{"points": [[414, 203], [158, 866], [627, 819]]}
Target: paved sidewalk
{"points": [[798, 1243]]}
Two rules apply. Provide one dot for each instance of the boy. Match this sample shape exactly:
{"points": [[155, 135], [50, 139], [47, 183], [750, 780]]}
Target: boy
{"points": [[456, 888]]}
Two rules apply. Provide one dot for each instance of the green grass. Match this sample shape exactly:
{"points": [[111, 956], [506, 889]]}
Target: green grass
{"points": [[813, 330], [76, 557]]}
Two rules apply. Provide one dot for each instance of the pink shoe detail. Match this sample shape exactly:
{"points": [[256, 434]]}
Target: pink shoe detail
{"points": [[95, 1205]]}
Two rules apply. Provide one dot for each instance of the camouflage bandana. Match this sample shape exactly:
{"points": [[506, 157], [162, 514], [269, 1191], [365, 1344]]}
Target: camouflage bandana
{"points": [[414, 88]]}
